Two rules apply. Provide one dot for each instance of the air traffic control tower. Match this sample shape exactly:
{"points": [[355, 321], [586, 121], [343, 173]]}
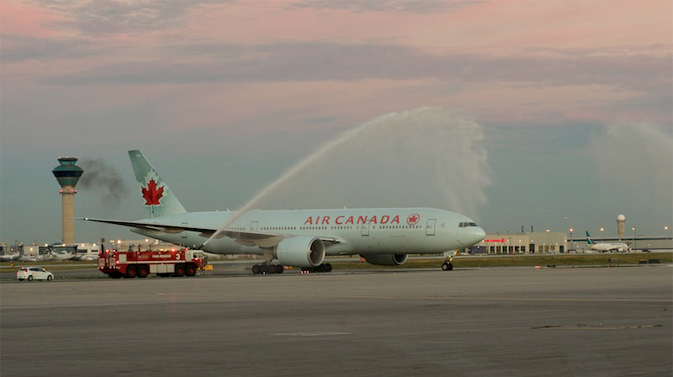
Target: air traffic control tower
{"points": [[67, 175]]}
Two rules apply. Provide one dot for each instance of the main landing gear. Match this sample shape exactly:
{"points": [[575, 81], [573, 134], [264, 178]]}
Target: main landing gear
{"points": [[447, 266], [325, 267], [268, 269], [279, 268]]}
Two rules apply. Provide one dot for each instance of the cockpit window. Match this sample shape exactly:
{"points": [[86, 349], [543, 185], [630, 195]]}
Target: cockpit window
{"points": [[467, 224]]}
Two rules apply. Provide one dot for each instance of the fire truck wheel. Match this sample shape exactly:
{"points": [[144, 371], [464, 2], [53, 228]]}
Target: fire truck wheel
{"points": [[191, 270], [256, 269], [143, 271], [131, 273], [179, 270]]}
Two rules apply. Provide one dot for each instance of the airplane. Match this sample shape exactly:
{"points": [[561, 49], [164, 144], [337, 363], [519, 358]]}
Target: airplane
{"points": [[88, 257], [9, 257], [59, 255], [31, 258], [604, 247], [298, 238]]}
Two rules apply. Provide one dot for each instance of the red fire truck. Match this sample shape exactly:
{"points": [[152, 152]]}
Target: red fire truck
{"points": [[129, 264]]}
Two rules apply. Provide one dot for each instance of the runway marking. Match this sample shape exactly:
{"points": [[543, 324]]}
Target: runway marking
{"points": [[641, 300], [181, 300], [596, 327], [308, 334]]}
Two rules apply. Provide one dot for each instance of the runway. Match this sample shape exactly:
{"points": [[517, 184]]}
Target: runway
{"points": [[468, 322]]}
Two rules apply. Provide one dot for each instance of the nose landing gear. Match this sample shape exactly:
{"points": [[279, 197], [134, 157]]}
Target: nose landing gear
{"points": [[447, 265]]}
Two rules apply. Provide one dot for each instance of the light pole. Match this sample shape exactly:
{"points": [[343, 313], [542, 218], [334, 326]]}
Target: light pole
{"points": [[634, 238], [571, 239]]}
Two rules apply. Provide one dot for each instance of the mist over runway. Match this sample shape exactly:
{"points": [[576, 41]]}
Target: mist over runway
{"points": [[472, 322]]}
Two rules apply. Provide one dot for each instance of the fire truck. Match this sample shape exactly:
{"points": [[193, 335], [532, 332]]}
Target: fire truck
{"points": [[131, 264]]}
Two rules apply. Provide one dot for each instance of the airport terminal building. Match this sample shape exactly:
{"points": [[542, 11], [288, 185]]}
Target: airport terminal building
{"points": [[522, 243], [558, 242]]}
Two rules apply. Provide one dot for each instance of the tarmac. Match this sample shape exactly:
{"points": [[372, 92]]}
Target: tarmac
{"points": [[466, 322]]}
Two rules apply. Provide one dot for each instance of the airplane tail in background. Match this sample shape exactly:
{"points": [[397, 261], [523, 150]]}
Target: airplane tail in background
{"points": [[157, 197], [589, 241]]}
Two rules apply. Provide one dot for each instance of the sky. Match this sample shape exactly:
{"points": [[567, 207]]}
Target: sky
{"points": [[551, 114]]}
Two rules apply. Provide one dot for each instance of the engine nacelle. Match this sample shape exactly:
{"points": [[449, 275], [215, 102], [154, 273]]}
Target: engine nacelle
{"points": [[386, 259], [301, 251]]}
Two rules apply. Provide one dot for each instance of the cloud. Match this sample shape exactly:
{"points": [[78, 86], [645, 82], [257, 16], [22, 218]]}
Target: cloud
{"points": [[110, 17], [19, 48], [638, 156], [332, 61], [404, 6]]}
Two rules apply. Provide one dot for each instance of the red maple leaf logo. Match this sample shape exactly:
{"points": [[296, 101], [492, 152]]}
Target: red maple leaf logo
{"points": [[413, 219], [152, 194]]}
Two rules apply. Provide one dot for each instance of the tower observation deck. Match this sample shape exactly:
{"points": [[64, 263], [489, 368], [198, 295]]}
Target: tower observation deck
{"points": [[67, 175]]}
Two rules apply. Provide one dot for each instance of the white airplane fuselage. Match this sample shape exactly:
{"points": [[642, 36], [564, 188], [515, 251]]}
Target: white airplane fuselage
{"points": [[606, 247], [356, 231]]}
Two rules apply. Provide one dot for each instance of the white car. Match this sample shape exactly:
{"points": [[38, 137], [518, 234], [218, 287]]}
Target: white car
{"points": [[37, 273]]}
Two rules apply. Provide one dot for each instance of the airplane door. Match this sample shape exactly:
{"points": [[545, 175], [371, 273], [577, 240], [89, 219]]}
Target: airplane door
{"points": [[184, 233], [430, 227], [365, 230], [254, 225]]}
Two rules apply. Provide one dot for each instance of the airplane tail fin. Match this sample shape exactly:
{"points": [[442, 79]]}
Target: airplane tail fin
{"points": [[589, 241], [157, 197]]}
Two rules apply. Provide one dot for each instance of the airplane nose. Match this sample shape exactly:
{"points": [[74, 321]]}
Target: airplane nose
{"points": [[479, 235]]}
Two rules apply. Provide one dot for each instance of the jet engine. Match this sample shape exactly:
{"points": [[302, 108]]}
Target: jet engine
{"points": [[386, 259], [301, 251]]}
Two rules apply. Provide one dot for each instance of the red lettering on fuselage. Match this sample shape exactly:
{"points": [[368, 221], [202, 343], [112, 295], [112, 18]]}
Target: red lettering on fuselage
{"points": [[343, 220]]}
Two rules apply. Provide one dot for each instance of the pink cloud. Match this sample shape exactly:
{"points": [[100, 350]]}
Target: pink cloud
{"points": [[22, 19], [500, 26]]}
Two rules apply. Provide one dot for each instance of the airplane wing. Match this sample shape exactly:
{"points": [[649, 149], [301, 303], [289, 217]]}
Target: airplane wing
{"points": [[152, 226], [260, 239]]}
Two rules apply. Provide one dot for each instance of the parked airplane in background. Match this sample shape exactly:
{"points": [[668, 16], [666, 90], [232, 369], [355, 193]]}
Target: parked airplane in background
{"points": [[607, 247], [58, 255], [300, 238], [31, 258], [9, 257]]}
